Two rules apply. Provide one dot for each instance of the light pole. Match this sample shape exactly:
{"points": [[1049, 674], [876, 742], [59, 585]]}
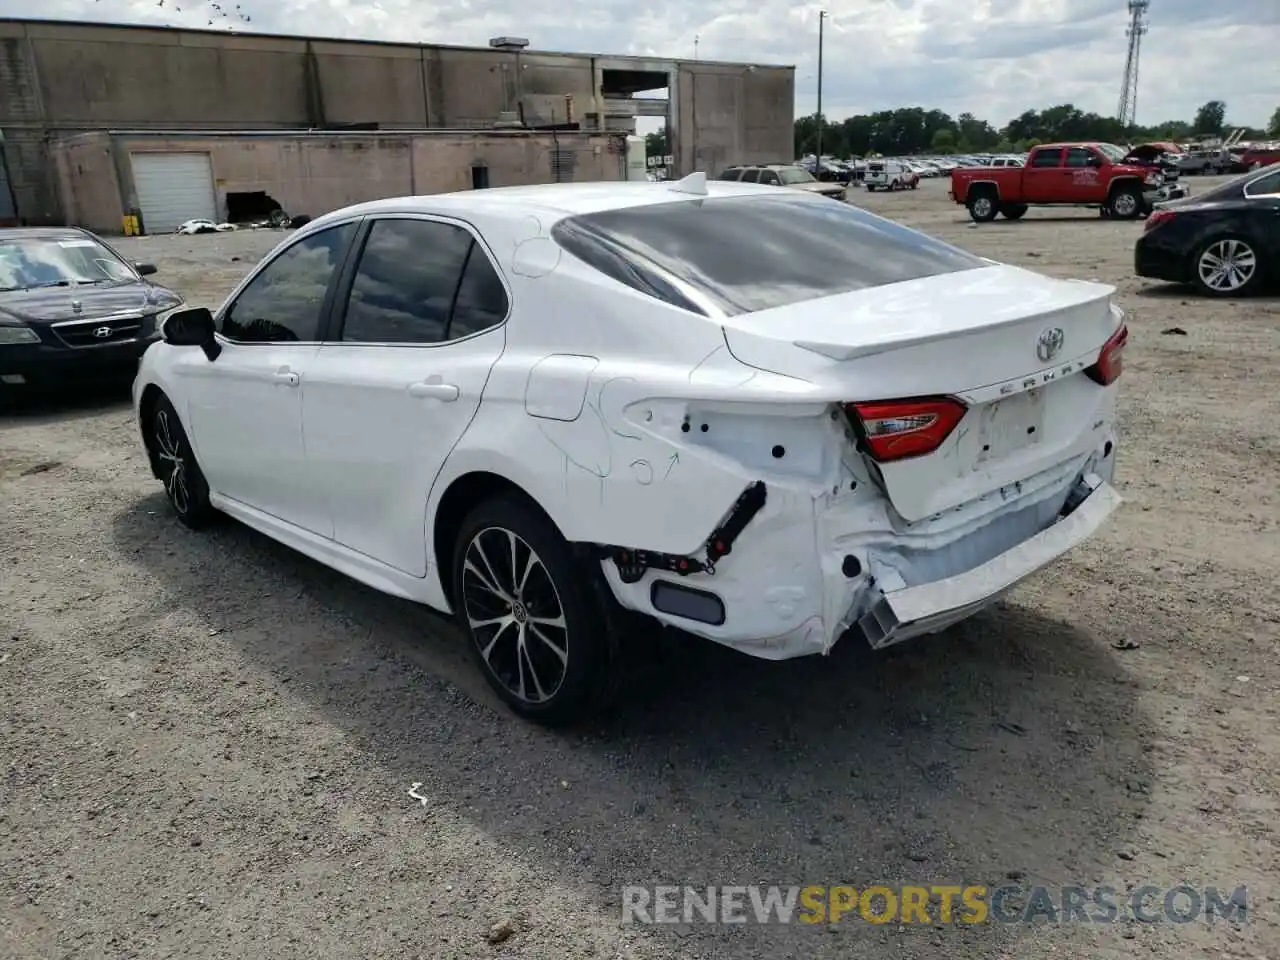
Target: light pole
{"points": [[817, 162]]}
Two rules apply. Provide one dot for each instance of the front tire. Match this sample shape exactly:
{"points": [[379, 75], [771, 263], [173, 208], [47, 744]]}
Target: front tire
{"points": [[184, 482], [1227, 266], [535, 626], [1125, 203]]}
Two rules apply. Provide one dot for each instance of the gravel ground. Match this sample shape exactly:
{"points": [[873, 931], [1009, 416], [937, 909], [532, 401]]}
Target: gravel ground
{"points": [[209, 741]]}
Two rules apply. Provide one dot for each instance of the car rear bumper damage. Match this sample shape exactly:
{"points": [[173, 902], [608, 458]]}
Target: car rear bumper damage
{"points": [[806, 570], [911, 611]]}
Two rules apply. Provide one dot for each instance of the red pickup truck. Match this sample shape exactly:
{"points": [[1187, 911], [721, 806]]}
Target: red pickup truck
{"points": [[1058, 174]]}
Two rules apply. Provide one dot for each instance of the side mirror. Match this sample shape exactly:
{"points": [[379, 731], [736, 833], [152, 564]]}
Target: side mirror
{"points": [[192, 328], [144, 269]]}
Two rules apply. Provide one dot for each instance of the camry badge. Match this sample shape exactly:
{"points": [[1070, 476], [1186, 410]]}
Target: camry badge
{"points": [[1049, 344]]}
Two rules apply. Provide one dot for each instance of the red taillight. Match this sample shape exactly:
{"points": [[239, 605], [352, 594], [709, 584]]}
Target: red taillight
{"points": [[1157, 217], [897, 429], [1110, 362]]}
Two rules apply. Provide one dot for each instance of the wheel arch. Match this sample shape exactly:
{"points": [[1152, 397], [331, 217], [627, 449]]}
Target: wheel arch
{"points": [[150, 396], [458, 498], [977, 188], [1124, 182]]}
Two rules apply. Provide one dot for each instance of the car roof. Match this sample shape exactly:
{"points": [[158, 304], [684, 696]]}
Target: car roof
{"points": [[1069, 143], [552, 200], [41, 233]]}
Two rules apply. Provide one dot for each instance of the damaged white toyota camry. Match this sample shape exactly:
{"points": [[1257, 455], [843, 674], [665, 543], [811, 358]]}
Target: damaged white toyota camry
{"points": [[760, 416]]}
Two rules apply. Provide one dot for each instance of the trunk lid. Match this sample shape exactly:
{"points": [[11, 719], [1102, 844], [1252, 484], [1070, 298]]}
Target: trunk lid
{"points": [[1011, 344]]}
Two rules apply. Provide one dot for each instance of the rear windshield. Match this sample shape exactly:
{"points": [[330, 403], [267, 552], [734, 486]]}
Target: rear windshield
{"points": [[747, 254], [795, 175]]}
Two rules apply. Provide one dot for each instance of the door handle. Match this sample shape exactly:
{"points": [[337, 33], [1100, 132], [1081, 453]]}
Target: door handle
{"points": [[286, 376], [434, 389]]}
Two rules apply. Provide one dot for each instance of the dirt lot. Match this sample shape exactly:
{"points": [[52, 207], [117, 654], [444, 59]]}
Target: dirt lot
{"points": [[209, 742]]}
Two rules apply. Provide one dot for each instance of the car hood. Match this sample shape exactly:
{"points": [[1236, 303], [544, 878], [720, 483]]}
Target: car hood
{"points": [[55, 304]]}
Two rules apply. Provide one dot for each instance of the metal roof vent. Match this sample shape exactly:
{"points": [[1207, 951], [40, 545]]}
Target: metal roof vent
{"points": [[508, 43]]}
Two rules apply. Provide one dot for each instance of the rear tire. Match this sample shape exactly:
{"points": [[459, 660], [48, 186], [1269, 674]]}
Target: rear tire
{"points": [[1014, 211], [184, 482], [983, 207], [1227, 266], [533, 614]]}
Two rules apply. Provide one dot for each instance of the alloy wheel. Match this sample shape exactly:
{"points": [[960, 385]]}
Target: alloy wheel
{"points": [[982, 206], [174, 464], [1227, 265], [516, 618]]}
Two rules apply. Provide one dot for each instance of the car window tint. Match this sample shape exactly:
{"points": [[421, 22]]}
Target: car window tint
{"points": [[755, 253], [768, 176], [482, 299], [1045, 158], [1078, 156], [282, 304], [404, 285], [731, 174], [751, 176]]}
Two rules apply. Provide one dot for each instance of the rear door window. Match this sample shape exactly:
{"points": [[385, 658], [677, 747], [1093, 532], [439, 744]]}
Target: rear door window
{"points": [[751, 176], [1046, 158], [746, 254], [404, 286]]}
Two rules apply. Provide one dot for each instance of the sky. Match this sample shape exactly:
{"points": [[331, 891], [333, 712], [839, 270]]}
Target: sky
{"points": [[992, 58]]}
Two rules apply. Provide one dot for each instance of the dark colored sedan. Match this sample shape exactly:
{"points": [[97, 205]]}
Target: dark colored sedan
{"points": [[1225, 242], [72, 310]]}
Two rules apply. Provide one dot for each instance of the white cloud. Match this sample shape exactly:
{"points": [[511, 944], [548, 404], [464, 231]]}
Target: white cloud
{"points": [[993, 58]]}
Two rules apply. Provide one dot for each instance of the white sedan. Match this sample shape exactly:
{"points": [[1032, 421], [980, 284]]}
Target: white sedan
{"points": [[758, 416]]}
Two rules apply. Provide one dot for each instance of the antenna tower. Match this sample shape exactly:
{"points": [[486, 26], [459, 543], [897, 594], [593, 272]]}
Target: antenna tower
{"points": [[1128, 111]]}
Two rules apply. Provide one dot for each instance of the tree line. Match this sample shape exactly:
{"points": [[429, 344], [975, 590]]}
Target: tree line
{"points": [[911, 130]]}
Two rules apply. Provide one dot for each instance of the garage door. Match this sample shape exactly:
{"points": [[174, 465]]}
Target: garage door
{"points": [[172, 188]]}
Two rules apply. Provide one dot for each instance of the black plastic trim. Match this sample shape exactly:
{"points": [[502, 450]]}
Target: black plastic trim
{"points": [[678, 600]]}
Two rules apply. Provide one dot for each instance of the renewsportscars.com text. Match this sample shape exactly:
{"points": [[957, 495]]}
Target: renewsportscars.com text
{"points": [[937, 903]]}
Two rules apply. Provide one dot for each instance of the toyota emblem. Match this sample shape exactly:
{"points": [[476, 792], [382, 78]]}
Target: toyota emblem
{"points": [[102, 332], [1049, 344]]}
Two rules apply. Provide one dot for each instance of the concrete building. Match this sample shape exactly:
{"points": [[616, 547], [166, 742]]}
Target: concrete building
{"points": [[172, 177], [269, 112]]}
